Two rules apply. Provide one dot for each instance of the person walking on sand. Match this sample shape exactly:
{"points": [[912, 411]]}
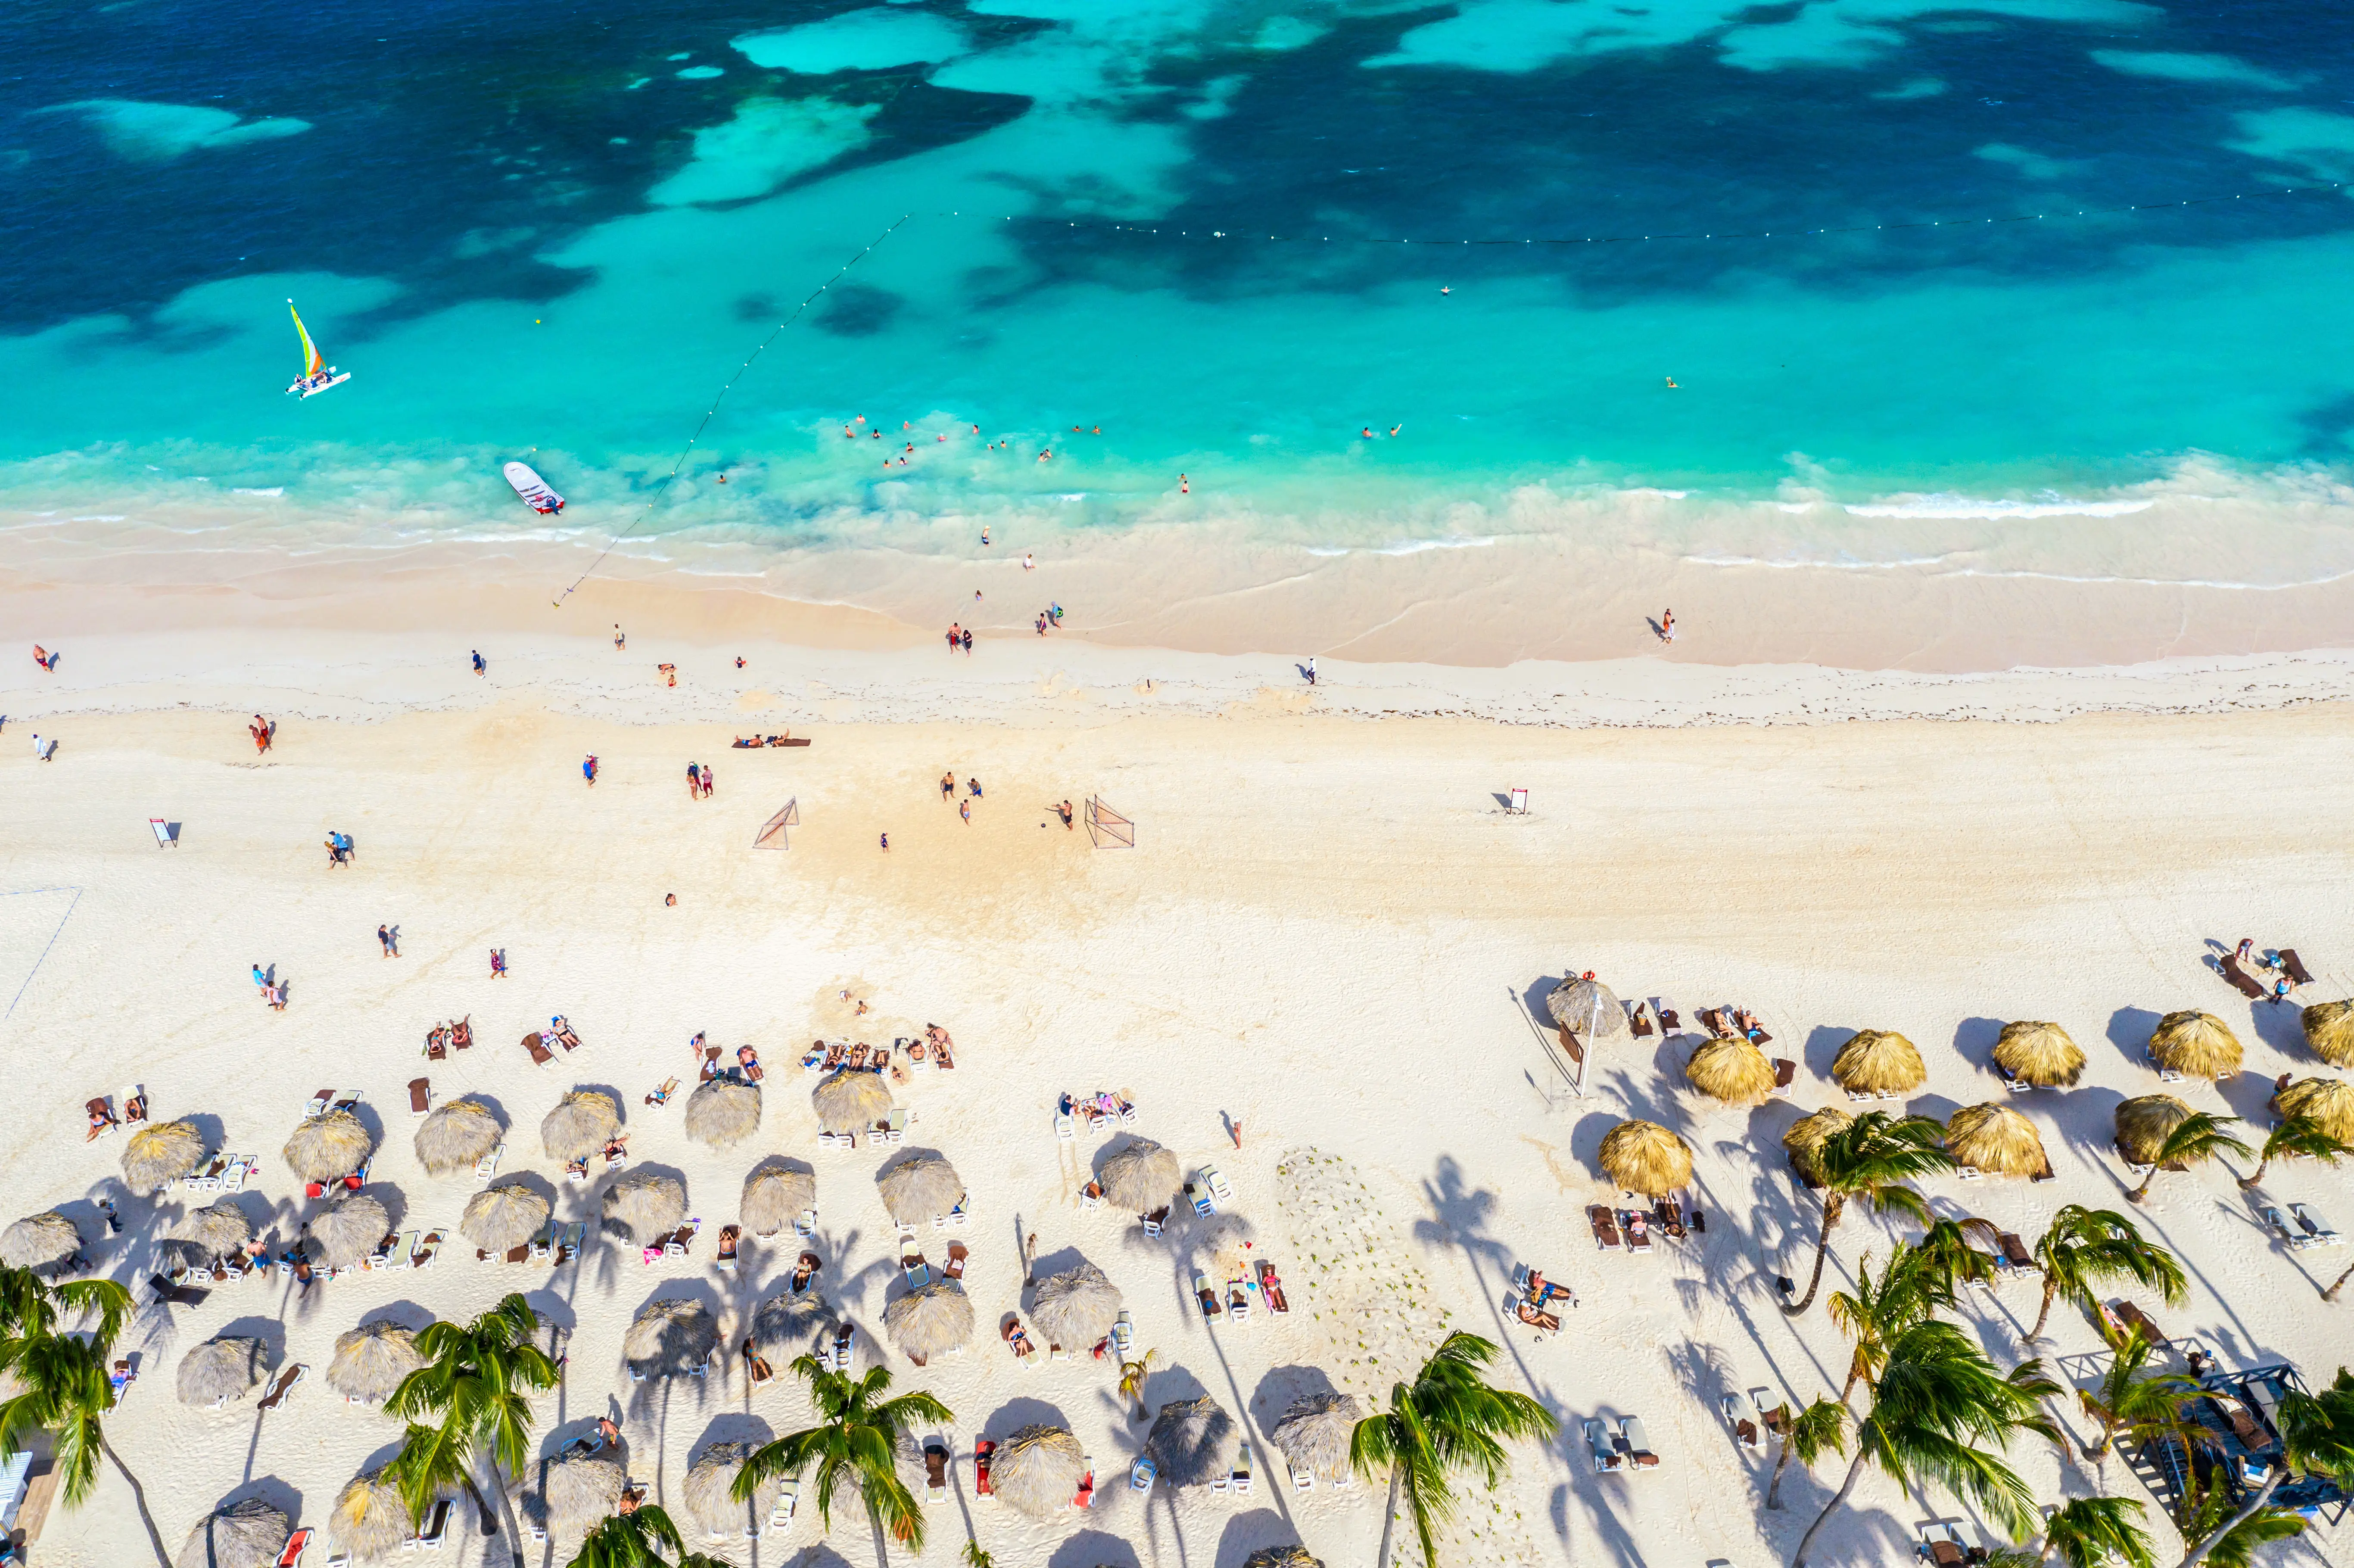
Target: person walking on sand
{"points": [[620, 642], [1667, 626], [693, 782], [968, 638], [498, 963], [259, 979], [964, 810], [974, 785], [588, 769], [1070, 818], [1311, 669], [948, 785], [886, 843], [480, 668], [384, 939], [706, 781]]}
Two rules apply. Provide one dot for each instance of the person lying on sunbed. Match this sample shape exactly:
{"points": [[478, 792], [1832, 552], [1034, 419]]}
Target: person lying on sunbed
{"points": [[750, 1060], [100, 1118], [1542, 1291], [742, 744], [1638, 1226], [577, 1167], [1018, 1341], [617, 1148], [1537, 1319], [755, 1365], [134, 1110]]}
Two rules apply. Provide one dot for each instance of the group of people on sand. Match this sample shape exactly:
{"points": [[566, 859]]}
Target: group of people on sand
{"points": [[1539, 1290], [45, 659], [339, 848], [264, 732], [698, 782], [754, 742], [273, 994], [959, 638]]}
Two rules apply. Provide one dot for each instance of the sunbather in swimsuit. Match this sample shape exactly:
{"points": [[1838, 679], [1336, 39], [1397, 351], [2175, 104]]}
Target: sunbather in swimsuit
{"points": [[1536, 1319]]}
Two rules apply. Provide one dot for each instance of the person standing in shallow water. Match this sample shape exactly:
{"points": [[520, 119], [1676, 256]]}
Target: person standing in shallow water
{"points": [[1667, 626]]}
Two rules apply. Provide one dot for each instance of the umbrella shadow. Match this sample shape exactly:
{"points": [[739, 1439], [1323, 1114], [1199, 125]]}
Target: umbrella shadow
{"points": [[1974, 1041], [1023, 1411], [1280, 1388], [2279, 1024], [1247, 1532], [730, 1426], [1822, 1048], [1094, 1549], [2129, 1030]]}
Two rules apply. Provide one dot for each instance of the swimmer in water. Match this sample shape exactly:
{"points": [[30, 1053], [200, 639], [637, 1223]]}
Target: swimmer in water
{"points": [[984, 532], [1672, 385], [1182, 487], [1367, 432], [1395, 429], [862, 419], [1444, 290], [1045, 455]]}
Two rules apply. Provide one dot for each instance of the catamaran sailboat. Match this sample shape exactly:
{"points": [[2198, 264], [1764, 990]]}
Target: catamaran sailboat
{"points": [[534, 489], [317, 374]]}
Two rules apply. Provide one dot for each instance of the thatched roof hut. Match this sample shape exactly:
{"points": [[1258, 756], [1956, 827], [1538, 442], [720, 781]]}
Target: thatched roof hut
{"points": [[370, 1521], [584, 1488], [786, 1321], [2328, 1102], [670, 1336], [455, 1135], [1733, 1071], [1192, 1443], [724, 1111], [1077, 1308], [1281, 1557], [39, 1240], [329, 1148], [850, 1102], [1996, 1138], [2143, 1123], [581, 1124], [248, 1533], [346, 1232], [1314, 1433], [161, 1154], [646, 1203], [711, 1496], [213, 1231], [920, 1187], [1586, 1009], [1037, 1471], [1644, 1157], [1140, 1176], [2330, 1031], [371, 1359], [2038, 1053], [1878, 1062], [775, 1194], [502, 1217], [930, 1320], [1807, 1135], [221, 1368], [2196, 1044]]}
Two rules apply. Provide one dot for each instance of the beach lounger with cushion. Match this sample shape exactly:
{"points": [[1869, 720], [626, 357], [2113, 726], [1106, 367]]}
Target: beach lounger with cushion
{"points": [[1606, 1457], [437, 1526], [296, 1544], [1153, 1222], [1638, 1443], [284, 1386], [1241, 1478], [660, 1097], [1270, 1289], [984, 1458], [2235, 971], [957, 1254], [2278, 1223], [936, 1468], [2316, 1229], [1205, 1296], [540, 1055], [421, 1096], [1742, 1416], [1786, 1073], [789, 1497], [2014, 1250], [1606, 1228], [1637, 1228], [134, 1105], [2294, 967], [846, 1340], [1199, 1196], [2134, 1317], [1217, 1184], [913, 1269]]}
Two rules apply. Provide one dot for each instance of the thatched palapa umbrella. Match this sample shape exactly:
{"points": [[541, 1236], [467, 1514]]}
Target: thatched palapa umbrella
{"points": [[671, 1336], [1037, 1471], [370, 1521], [1192, 1443], [724, 1111], [920, 1187], [2038, 1053], [1077, 1308], [2143, 1123], [347, 1232], [774, 1195], [455, 1136], [2329, 1031], [929, 1320], [1644, 1157], [221, 1369], [2196, 1044], [711, 1496], [584, 1488], [246, 1534], [39, 1240], [502, 1217], [158, 1155], [1314, 1433], [209, 1234], [785, 1320], [1733, 1071], [2328, 1102], [1995, 1138], [371, 1359], [1281, 1557], [850, 1102], [329, 1148], [1140, 1176], [1807, 1135], [646, 1203], [579, 1125], [1878, 1062], [1586, 1009]]}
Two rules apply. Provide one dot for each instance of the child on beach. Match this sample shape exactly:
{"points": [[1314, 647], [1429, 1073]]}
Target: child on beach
{"points": [[588, 769]]}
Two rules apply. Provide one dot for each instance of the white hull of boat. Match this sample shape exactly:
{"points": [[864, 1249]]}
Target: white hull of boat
{"points": [[312, 388], [533, 489]]}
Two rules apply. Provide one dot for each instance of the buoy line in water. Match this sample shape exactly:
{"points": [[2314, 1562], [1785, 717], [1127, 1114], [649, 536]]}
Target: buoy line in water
{"points": [[688, 451]]}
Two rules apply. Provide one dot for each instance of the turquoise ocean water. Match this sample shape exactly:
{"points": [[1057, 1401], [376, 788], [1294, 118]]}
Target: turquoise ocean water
{"points": [[1232, 236]]}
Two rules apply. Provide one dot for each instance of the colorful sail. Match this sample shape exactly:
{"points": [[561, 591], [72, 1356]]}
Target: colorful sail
{"points": [[314, 361]]}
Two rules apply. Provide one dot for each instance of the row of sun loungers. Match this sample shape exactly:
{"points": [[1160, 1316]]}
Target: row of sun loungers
{"points": [[1632, 1228], [1102, 1111], [2310, 1230], [1629, 1448]]}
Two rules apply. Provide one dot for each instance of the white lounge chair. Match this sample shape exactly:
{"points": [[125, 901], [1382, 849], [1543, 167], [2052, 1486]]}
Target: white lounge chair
{"points": [[1606, 1457], [1638, 1443], [1123, 1334], [1242, 1476], [789, 1497], [1218, 1188], [1063, 1127], [1738, 1412], [437, 1527], [806, 1226], [2316, 1229], [488, 1165]]}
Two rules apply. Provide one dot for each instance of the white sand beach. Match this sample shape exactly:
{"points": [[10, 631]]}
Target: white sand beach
{"points": [[1328, 933]]}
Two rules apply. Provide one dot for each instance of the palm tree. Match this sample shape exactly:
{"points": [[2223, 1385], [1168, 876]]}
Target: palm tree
{"points": [[2083, 1246], [2205, 1512], [64, 1381], [1817, 1430], [2131, 1400], [1945, 1252], [1871, 1159], [1445, 1420], [2297, 1137], [2097, 1533], [1132, 1380], [2316, 1433], [2337, 1284], [2196, 1138], [637, 1539], [1879, 1309], [857, 1441], [469, 1401], [1937, 1402]]}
